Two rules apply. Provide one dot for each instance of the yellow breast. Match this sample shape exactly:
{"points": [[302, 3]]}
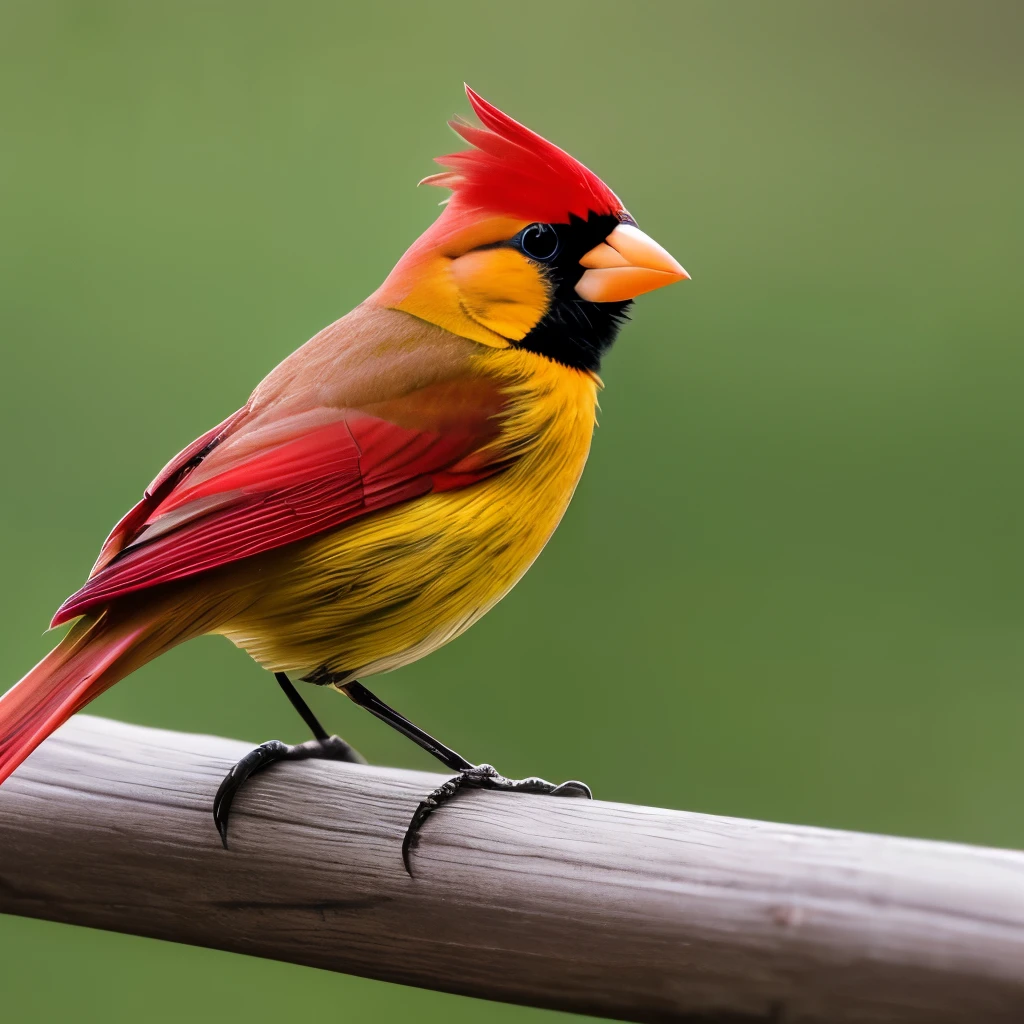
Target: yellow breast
{"points": [[384, 591]]}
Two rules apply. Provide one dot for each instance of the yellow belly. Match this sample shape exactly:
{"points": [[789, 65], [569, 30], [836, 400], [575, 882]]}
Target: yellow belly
{"points": [[386, 590]]}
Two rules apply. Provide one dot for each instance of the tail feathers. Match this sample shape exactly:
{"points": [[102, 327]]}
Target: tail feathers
{"points": [[92, 657]]}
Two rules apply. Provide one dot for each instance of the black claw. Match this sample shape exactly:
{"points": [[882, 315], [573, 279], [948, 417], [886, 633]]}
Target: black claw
{"points": [[332, 748], [412, 833], [482, 776], [264, 754], [573, 788]]}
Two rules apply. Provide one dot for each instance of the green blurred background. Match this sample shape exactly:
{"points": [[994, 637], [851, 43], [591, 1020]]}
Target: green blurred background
{"points": [[791, 585]]}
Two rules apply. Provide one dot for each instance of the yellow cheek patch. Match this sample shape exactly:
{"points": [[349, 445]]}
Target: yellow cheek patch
{"points": [[433, 296], [502, 290]]}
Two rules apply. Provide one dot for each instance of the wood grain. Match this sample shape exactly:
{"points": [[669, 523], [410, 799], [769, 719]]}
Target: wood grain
{"points": [[619, 911]]}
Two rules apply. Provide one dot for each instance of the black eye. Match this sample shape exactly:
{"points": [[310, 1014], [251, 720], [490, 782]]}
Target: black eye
{"points": [[539, 242]]}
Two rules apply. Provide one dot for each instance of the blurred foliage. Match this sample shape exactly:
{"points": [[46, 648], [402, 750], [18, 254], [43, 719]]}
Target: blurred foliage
{"points": [[790, 585]]}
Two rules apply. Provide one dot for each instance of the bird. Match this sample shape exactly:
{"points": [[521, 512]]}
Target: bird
{"points": [[388, 482]]}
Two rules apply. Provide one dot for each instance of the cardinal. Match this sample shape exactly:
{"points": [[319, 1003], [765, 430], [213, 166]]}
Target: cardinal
{"points": [[392, 479]]}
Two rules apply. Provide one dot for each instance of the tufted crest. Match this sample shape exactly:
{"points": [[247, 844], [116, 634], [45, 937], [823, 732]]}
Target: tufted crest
{"points": [[515, 172]]}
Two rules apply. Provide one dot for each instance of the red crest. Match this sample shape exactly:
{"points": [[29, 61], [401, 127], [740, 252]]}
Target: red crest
{"points": [[516, 172]]}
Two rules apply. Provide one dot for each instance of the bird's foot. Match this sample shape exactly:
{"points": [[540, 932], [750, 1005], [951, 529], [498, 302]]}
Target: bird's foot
{"points": [[482, 776], [331, 748]]}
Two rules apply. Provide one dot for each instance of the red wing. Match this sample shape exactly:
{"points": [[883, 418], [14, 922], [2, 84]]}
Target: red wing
{"points": [[341, 469], [165, 481]]}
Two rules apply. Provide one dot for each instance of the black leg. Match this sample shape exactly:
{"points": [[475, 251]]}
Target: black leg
{"points": [[301, 706], [365, 699], [470, 776], [323, 746]]}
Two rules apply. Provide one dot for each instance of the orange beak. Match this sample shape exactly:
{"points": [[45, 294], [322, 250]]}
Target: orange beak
{"points": [[626, 264]]}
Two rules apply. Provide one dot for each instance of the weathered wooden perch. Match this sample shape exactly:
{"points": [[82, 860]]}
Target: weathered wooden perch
{"points": [[619, 911]]}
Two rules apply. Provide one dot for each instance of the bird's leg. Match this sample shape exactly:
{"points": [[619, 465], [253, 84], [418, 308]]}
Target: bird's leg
{"points": [[360, 695], [471, 776], [322, 746]]}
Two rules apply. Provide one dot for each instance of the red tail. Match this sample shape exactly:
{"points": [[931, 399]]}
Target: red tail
{"points": [[91, 658]]}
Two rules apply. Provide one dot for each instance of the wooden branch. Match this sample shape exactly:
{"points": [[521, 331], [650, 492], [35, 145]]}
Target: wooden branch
{"points": [[618, 911]]}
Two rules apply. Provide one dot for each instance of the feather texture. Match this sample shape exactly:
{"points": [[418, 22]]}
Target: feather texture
{"points": [[387, 589], [514, 171], [250, 486]]}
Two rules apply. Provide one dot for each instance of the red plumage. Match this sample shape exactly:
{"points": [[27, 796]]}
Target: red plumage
{"points": [[131, 522], [305, 485], [517, 172], [90, 659]]}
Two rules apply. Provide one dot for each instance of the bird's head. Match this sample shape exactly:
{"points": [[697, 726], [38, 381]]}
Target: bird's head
{"points": [[532, 249]]}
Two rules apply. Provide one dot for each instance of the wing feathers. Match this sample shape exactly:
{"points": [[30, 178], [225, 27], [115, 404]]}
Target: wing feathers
{"points": [[180, 466], [245, 500]]}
